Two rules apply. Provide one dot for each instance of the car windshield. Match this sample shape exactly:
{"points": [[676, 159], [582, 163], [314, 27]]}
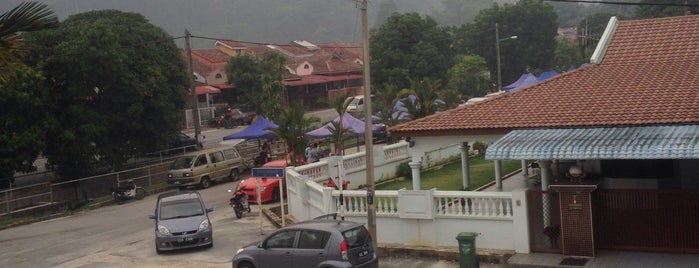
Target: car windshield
{"points": [[180, 209], [356, 237], [182, 162]]}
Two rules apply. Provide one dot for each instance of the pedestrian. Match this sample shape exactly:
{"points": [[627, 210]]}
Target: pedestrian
{"points": [[314, 155], [307, 153], [201, 141], [268, 152]]}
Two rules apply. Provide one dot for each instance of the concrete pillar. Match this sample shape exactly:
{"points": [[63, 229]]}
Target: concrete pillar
{"points": [[498, 174], [525, 170], [545, 182], [415, 166], [465, 174]]}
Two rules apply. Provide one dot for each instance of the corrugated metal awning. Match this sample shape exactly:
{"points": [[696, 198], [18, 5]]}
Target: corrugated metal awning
{"points": [[649, 142]]}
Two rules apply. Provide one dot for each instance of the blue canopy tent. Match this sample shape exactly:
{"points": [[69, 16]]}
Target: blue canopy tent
{"points": [[256, 130], [546, 75], [348, 122], [523, 81]]}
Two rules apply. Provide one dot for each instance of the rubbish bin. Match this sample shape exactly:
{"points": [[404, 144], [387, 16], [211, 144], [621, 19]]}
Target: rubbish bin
{"points": [[467, 250]]}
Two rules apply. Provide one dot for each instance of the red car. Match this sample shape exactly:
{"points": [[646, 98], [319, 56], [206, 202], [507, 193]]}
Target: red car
{"points": [[269, 187]]}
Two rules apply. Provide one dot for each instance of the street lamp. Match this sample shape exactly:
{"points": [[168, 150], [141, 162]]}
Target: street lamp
{"points": [[497, 53]]}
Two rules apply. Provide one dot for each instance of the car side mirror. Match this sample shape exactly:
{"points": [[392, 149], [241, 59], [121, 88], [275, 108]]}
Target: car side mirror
{"points": [[151, 216], [209, 210]]}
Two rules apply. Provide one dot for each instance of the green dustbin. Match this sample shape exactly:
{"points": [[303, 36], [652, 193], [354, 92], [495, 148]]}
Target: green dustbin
{"points": [[467, 250]]}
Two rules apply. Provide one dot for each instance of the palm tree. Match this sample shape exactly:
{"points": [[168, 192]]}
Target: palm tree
{"points": [[426, 93], [292, 126], [27, 17], [340, 104]]}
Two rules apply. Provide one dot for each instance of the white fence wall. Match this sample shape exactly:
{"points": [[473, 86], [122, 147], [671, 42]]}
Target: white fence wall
{"points": [[419, 218]]}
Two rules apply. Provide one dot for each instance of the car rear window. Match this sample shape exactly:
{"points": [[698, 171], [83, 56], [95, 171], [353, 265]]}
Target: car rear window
{"points": [[356, 237]]}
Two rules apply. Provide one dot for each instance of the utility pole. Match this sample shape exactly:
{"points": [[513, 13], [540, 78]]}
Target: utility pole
{"points": [[193, 90], [368, 134]]}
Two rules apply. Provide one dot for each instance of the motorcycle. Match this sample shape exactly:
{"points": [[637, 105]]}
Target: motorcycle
{"points": [[261, 159], [128, 191], [239, 203]]}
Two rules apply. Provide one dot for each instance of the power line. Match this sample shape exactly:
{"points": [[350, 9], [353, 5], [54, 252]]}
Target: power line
{"points": [[624, 3]]}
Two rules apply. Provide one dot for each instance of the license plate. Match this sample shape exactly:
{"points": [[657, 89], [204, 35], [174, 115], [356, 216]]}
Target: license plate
{"points": [[178, 182], [188, 239], [363, 253]]}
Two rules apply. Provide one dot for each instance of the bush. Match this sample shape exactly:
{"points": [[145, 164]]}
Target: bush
{"points": [[405, 171], [480, 147]]}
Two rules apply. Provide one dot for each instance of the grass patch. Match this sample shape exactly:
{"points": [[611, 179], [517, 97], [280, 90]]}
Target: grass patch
{"points": [[448, 178]]}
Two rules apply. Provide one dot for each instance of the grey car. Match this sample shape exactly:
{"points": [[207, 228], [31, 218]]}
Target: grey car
{"points": [[181, 221], [316, 243]]}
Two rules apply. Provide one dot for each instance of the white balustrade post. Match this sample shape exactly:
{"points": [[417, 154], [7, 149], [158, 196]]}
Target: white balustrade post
{"points": [[415, 166], [465, 174]]}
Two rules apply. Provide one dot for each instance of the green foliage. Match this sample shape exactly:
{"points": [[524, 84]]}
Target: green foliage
{"points": [[260, 80], [532, 21], [404, 171], [26, 17], [115, 87], [459, 12], [448, 178], [426, 93], [292, 126], [659, 11], [480, 147], [469, 77], [567, 54], [407, 47]]}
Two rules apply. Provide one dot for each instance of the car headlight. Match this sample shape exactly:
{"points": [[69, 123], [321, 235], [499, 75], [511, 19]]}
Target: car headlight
{"points": [[163, 230], [204, 225], [239, 251]]}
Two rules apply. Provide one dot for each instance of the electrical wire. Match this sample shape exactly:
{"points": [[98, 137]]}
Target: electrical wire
{"points": [[624, 3]]}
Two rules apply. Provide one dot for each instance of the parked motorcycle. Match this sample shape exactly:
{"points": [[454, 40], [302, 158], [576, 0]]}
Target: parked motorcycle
{"points": [[239, 203], [128, 191], [261, 159]]}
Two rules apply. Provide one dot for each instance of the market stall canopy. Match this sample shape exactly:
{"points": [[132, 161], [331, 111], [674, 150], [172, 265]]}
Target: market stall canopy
{"points": [[348, 121], [523, 81], [257, 130]]}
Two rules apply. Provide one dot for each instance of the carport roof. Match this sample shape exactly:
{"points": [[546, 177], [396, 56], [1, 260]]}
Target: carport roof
{"points": [[648, 142]]}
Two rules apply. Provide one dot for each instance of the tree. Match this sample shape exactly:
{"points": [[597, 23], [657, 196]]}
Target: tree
{"points": [[385, 10], [21, 134], [459, 12], [115, 87], [469, 77], [424, 102], [26, 17], [671, 8], [409, 46], [260, 80], [589, 31], [339, 131], [532, 21], [566, 55], [292, 126]]}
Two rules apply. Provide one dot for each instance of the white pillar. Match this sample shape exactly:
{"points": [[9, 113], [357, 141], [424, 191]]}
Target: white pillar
{"points": [[525, 170], [415, 166], [498, 174], [466, 179]]}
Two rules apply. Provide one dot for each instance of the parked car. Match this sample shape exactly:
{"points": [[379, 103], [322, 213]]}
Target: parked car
{"points": [[314, 243], [269, 187], [356, 105], [242, 118], [181, 221], [205, 166], [183, 141]]}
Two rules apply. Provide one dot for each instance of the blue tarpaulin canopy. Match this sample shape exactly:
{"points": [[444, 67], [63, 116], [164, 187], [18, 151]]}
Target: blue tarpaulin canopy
{"points": [[256, 130], [523, 81], [348, 122], [546, 75]]}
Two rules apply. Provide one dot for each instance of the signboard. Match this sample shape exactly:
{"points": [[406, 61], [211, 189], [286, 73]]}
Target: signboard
{"points": [[267, 172]]}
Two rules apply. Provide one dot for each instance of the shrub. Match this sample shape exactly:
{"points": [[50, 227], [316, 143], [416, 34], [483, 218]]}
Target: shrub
{"points": [[405, 171], [480, 147]]}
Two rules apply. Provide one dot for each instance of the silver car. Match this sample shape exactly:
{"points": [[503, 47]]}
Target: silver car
{"points": [[315, 243], [181, 221]]}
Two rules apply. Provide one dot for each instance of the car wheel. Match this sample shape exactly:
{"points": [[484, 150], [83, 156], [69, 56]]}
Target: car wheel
{"points": [[246, 265], [205, 183], [234, 175], [240, 122]]}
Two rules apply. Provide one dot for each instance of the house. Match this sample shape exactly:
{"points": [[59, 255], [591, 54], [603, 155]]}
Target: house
{"points": [[313, 71], [617, 142]]}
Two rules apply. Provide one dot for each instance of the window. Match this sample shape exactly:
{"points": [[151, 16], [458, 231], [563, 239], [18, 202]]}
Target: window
{"points": [[283, 239], [313, 239], [201, 160], [218, 75], [230, 153], [356, 237], [216, 157], [306, 66]]}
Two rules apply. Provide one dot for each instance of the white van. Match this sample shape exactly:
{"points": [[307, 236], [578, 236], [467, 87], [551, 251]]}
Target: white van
{"points": [[356, 105], [205, 166]]}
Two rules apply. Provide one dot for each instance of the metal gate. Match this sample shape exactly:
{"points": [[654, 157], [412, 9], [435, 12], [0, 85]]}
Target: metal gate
{"points": [[544, 221], [647, 220]]}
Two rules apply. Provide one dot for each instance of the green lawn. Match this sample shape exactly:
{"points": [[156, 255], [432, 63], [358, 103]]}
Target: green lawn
{"points": [[449, 176]]}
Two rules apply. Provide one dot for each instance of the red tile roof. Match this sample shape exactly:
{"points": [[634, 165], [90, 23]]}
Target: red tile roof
{"points": [[648, 76], [208, 61]]}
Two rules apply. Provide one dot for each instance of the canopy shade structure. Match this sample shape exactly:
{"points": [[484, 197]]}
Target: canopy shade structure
{"points": [[348, 122], [202, 90], [546, 75], [646, 142], [522, 81], [257, 130]]}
